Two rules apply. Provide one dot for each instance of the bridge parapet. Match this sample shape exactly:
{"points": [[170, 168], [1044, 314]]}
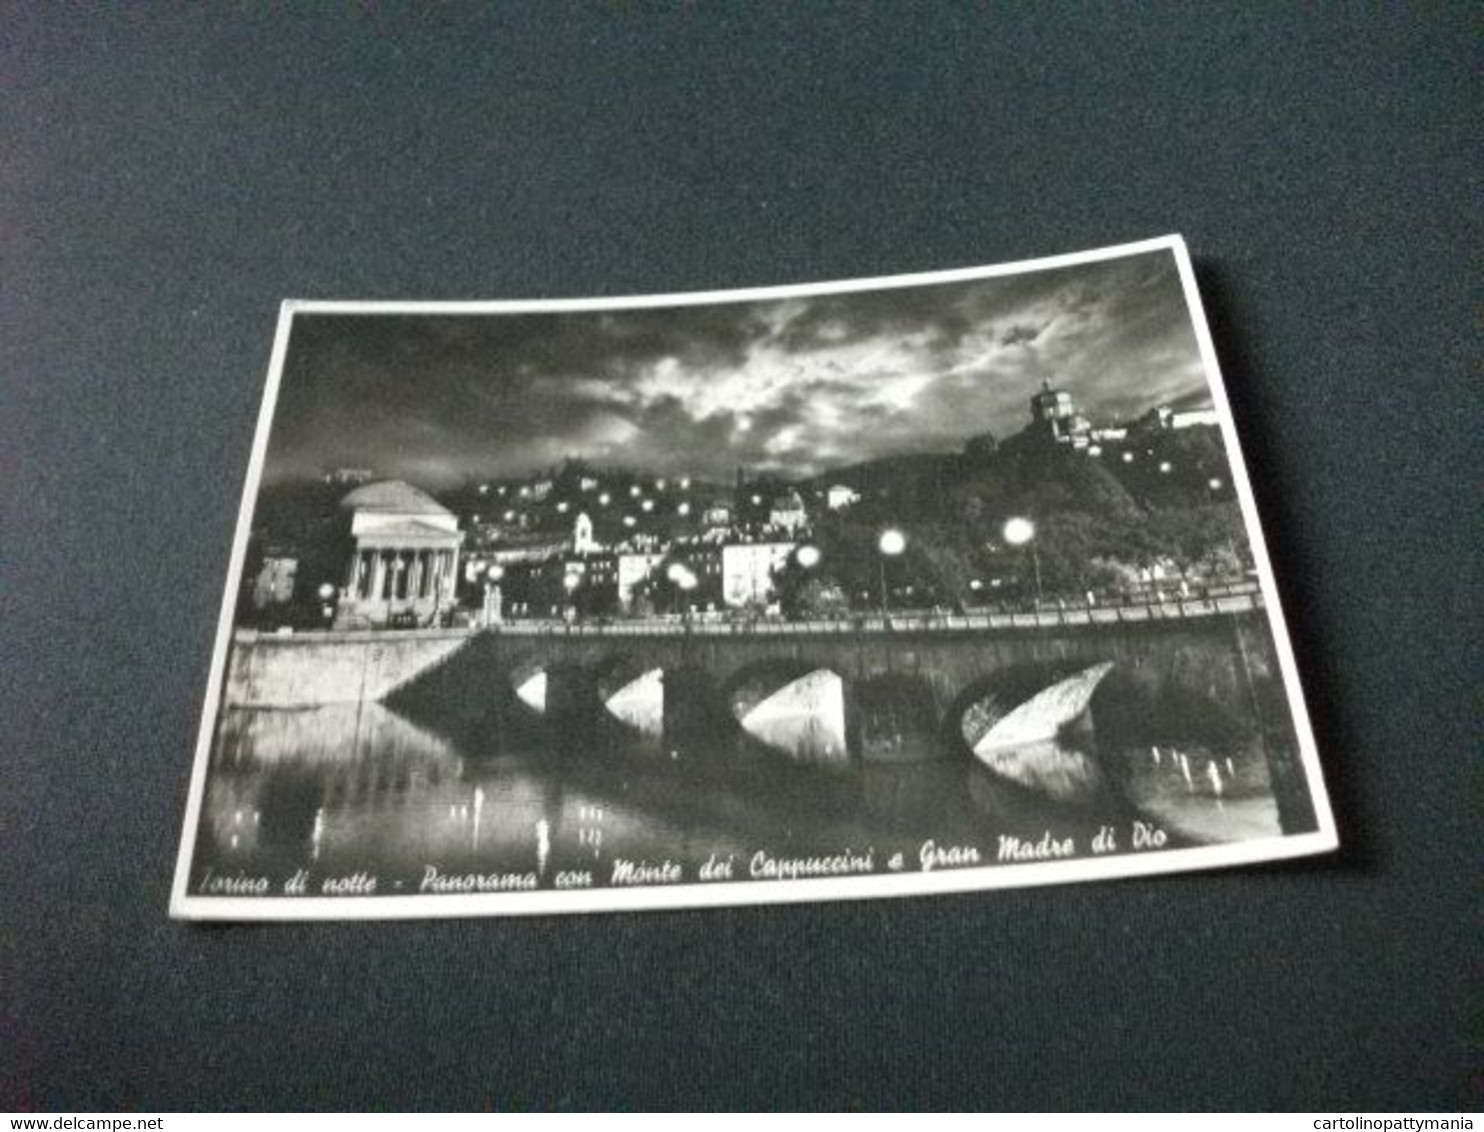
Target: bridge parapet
{"points": [[1179, 609]]}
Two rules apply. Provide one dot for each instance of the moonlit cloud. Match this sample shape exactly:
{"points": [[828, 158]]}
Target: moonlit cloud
{"points": [[795, 385]]}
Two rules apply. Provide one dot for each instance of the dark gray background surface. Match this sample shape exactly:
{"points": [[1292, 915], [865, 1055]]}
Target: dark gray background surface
{"points": [[170, 175]]}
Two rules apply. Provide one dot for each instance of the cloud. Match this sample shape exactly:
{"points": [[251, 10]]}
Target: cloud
{"points": [[1021, 335], [800, 384]]}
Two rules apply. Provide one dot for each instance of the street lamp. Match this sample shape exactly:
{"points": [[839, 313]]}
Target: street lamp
{"points": [[327, 608], [891, 544], [807, 556], [570, 581], [1022, 532], [683, 578]]}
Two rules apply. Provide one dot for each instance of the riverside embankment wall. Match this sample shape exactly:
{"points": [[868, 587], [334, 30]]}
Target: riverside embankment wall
{"points": [[309, 669]]}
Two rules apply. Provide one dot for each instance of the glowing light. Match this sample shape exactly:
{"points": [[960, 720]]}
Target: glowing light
{"points": [[808, 557], [1019, 531], [892, 542]]}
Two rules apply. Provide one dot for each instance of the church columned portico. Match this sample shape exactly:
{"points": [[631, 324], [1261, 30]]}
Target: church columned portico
{"points": [[399, 573], [404, 564]]}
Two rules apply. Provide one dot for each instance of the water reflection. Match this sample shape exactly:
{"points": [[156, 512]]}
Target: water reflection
{"points": [[1050, 767], [361, 787], [1204, 793]]}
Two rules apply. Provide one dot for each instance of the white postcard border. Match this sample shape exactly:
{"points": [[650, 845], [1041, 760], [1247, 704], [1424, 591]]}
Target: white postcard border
{"points": [[909, 882]]}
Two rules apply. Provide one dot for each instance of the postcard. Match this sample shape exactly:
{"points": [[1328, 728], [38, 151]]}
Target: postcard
{"points": [[885, 587]]}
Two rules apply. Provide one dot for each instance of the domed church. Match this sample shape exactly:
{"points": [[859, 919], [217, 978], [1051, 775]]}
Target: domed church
{"points": [[405, 561]]}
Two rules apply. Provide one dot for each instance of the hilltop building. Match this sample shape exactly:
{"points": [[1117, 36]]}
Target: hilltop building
{"points": [[840, 496], [718, 514], [1055, 416], [349, 477], [787, 512], [1162, 418], [583, 542]]}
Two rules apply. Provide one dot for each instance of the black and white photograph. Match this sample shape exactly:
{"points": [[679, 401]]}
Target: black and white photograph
{"points": [[878, 588]]}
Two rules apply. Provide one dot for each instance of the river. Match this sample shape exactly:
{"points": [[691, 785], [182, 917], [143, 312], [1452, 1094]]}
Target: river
{"points": [[360, 788]]}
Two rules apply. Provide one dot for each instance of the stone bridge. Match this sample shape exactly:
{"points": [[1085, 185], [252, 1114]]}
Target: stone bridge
{"points": [[937, 656], [912, 690], [839, 692]]}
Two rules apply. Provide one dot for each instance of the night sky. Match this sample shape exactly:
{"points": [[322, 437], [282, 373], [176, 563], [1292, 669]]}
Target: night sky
{"points": [[793, 385]]}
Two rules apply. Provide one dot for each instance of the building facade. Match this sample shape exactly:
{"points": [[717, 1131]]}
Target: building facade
{"points": [[1055, 413], [787, 513], [404, 559], [276, 577], [747, 571]]}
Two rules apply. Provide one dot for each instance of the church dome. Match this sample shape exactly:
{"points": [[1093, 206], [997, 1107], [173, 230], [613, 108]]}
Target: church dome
{"points": [[393, 497]]}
